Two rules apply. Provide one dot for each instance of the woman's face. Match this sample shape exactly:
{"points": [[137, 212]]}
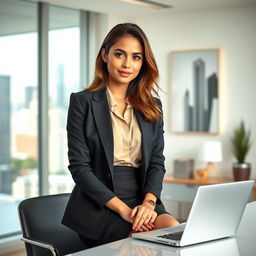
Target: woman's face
{"points": [[124, 60]]}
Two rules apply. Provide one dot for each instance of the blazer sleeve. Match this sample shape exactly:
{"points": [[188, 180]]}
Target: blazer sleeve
{"points": [[156, 167], [79, 155]]}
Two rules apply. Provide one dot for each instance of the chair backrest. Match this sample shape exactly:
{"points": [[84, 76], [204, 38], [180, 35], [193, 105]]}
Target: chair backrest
{"points": [[40, 219]]}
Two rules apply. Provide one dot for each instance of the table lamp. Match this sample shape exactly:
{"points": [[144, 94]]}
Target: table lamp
{"points": [[210, 152]]}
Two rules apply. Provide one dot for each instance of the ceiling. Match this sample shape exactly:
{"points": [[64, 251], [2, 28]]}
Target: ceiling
{"points": [[122, 8], [20, 16]]}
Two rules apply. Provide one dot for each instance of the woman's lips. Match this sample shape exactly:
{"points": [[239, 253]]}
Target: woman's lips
{"points": [[124, 74]]}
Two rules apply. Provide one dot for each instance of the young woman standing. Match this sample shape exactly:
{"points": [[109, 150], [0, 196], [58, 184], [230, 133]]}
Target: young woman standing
{"points": [[115, 141]]}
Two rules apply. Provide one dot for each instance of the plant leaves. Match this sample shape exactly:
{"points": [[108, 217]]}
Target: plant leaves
{"points": [[241, 142]]}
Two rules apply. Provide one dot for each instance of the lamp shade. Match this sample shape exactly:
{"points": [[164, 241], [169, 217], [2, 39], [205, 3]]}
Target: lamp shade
{"points": [[211, 151]]}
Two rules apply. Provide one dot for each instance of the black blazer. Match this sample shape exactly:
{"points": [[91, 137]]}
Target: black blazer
{"points": [[90, 143]]}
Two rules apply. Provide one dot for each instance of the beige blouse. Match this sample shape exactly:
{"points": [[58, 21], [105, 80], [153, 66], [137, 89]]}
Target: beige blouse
{"points": [[126, 133]]}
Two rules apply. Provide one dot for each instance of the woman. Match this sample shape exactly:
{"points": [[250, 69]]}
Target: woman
{"points": [[115, 141]]}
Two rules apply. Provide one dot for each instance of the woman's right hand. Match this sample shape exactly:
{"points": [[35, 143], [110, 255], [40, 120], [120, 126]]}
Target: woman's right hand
{"points": [[126, 213], [115, 204]]}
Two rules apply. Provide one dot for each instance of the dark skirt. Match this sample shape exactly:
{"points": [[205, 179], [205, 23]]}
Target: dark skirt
{"points": [[128, 190]]}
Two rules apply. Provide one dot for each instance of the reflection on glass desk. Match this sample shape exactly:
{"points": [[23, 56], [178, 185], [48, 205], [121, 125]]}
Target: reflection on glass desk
{"points": [[243, 244]]}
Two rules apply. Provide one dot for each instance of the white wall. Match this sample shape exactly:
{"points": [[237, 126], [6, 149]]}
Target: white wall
{"points": [[231, 30]]}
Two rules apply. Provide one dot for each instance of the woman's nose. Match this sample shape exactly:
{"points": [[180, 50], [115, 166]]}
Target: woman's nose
{"points": [[127, 62]]}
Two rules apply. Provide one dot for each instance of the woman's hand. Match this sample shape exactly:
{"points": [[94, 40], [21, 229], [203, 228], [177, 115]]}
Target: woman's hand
{"points": [[115, 204], [126, 214], [144, 215]]}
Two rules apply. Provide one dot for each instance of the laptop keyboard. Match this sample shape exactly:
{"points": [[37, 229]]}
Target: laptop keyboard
{"points": [[173, 236]]}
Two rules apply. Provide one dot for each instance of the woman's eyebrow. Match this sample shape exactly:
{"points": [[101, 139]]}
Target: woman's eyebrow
{"points": [[123, 51]]}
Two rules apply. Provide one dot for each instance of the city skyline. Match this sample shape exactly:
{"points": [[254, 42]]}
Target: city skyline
{"points": [[198, 116], [194, 90], [24, 69], [22, 133]]}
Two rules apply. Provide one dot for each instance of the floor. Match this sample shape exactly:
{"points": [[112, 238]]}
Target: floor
{"points": [[9, 223], [12, 246], [20, 252], [9, 220]]}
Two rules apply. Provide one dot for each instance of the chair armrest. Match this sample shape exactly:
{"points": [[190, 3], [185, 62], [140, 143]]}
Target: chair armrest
{"points": [[40, 244]]}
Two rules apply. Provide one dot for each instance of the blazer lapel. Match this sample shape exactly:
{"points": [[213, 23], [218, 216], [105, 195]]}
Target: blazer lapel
{"points": [[103, 122], [146, 132], [104, 125]]}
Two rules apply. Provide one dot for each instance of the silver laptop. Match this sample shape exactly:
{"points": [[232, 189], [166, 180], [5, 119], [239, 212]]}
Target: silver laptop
{"points": [[216, 213]]}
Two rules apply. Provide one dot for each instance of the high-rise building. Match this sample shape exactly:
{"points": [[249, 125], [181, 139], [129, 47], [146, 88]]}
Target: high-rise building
{"points": [[60, 86], [199, 94], [5, 136], [188, 113], [30, 94], [212, 95]]}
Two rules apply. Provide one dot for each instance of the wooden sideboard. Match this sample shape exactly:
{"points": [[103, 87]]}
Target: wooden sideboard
{"points": [[193, 182]]}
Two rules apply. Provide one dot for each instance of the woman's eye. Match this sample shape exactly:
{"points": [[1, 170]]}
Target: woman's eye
{"points": [[119, 54], [136, 57]]}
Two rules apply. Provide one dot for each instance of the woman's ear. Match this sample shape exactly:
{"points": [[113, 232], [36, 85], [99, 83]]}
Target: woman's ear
{"points": [[104, 56]]}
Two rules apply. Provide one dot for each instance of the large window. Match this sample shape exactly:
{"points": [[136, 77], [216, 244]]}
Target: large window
{"points": [[63, 79], [20, 157], [18, 109]]}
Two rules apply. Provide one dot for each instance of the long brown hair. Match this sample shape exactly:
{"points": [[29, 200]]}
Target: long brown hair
{"points": [[141, 88]]}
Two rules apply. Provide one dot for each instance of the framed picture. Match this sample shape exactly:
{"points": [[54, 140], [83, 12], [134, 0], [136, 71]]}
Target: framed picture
{"points": [[195, 91]]}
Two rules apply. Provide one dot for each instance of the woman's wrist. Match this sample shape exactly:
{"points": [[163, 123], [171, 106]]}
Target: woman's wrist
{"points": [[150, 197], [115, 204], [149, 202], [123, 208]]}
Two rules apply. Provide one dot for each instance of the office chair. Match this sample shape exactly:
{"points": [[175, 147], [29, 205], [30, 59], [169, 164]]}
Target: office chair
{"points": [[43, 233]]}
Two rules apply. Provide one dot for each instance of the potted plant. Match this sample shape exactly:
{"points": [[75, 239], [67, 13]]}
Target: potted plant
{"points": [[241, 144]]}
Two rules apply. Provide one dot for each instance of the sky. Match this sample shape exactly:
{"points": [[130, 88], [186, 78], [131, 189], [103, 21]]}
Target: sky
{"points": [[18, 59]]}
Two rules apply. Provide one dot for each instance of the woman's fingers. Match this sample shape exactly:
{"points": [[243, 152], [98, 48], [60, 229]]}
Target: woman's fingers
{"points": [[145, 228], [144, 217], [149, 226], [143, 220], [146, 220], [134, 210], [153, 218], [138, 217]]}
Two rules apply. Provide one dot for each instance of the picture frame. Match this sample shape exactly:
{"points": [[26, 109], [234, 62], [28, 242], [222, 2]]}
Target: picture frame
{"points": [[195, 91]]}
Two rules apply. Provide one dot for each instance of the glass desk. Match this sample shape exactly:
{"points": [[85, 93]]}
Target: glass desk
{"points": [[243, 244]]}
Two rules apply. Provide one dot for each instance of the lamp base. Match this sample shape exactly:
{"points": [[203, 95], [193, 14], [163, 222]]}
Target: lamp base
{"points": [[212, 167]]}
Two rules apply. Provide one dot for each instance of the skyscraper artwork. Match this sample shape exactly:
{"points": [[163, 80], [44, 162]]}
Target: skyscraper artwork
{"points": [[194, 91]]}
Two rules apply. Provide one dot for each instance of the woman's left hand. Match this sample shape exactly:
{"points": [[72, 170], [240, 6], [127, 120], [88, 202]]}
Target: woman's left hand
{"points": [[143, 214]]}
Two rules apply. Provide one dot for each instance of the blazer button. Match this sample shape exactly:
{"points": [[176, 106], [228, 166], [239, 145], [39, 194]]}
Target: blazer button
{"points": [[109, 176]]}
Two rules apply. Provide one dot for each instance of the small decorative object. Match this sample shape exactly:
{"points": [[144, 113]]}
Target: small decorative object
{"points": [[183, 168], [211, 152], [201, 174], [241, 144]]}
